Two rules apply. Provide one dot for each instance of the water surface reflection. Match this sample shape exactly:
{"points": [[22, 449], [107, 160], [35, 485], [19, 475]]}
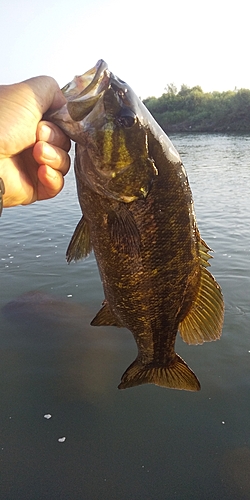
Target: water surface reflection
{"points": [[145, 442]]}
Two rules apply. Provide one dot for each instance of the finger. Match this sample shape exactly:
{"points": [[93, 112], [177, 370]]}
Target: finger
{"points": [[46, 93], [51, 182], [49, 132], [54, 157]]}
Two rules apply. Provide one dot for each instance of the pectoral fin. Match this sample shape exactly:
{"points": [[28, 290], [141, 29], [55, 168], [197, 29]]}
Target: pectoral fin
{"points": [[124, 232], [105, 318], [80, 244], [204, 320], [177, 375]]}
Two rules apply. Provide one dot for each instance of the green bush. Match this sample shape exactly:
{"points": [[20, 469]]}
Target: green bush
{"points": [[193, 109]]}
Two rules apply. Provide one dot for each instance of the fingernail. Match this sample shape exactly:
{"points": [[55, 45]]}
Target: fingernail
{"points": [[46, 133]]}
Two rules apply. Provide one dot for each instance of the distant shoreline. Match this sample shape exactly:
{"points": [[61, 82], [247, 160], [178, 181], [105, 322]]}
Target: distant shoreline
{"points": [[206, 128], [191, 110]]}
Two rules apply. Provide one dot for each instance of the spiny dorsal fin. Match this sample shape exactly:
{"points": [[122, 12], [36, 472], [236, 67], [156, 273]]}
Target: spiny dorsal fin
{"points": [[124, 232], [80, 244], [176, 375], [204, 320], [203, 252], [105, 318]]}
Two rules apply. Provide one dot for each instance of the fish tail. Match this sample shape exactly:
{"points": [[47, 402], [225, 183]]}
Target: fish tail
{"points": [[176, 375]]}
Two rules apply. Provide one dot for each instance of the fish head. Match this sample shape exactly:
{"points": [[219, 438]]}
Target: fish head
{"points": [[102, 115], [118, 159]]}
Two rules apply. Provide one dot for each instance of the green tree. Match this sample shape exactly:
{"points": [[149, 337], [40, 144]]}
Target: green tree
{"points": [[191, 109], [171, 89]]}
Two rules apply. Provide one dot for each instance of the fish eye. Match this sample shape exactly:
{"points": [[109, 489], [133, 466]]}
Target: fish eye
{"points": [[127, 121], [118, 90], [127, 117]]}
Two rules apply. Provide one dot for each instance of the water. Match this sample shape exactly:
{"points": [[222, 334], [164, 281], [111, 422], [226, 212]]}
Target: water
{"points": [[142, 443]]}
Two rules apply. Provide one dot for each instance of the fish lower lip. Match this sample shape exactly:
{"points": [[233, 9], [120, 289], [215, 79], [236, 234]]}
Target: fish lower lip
{"points": [[101, 75]]}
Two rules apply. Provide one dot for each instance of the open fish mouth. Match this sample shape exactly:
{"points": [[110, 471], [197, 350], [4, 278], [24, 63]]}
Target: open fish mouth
{"points": [[88, 83], [84, 91]]}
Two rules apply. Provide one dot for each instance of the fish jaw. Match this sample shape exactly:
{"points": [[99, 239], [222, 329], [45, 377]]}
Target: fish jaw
{"points": [[90, 83], [83, 91]]}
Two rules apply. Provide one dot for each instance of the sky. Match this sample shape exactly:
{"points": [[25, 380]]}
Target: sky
{"points": [[146, 44]]}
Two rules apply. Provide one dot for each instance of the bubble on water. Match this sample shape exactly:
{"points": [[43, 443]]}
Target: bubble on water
{"points": [[62, 439], [47, 416]]}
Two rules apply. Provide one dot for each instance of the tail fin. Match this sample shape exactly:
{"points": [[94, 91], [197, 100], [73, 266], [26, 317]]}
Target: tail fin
{"points": [[177, 375]]}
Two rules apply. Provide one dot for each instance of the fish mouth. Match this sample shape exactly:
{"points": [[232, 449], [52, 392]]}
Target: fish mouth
{"points": [[84, 91], [89, 83]]}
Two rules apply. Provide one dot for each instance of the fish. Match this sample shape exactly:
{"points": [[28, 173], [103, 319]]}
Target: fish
{"points": [[139, 218]]}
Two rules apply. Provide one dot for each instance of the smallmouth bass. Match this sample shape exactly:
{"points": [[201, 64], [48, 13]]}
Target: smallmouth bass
{"points": [[138, 216]]}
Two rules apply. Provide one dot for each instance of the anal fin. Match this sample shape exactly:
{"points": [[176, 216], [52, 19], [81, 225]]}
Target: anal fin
{"points": [[105, 318]]}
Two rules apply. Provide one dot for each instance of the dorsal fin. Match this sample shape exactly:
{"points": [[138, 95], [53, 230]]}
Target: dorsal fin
{"points": [[203, 252]]}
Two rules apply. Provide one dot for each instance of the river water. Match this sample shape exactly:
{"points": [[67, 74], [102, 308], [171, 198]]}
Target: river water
{"points": [[66, 431]]}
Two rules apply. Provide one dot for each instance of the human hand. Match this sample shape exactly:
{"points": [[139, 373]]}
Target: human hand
{"points": [[33, 153]]}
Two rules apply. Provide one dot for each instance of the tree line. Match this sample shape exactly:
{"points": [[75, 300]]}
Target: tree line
{"points": [[192, 110]]}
